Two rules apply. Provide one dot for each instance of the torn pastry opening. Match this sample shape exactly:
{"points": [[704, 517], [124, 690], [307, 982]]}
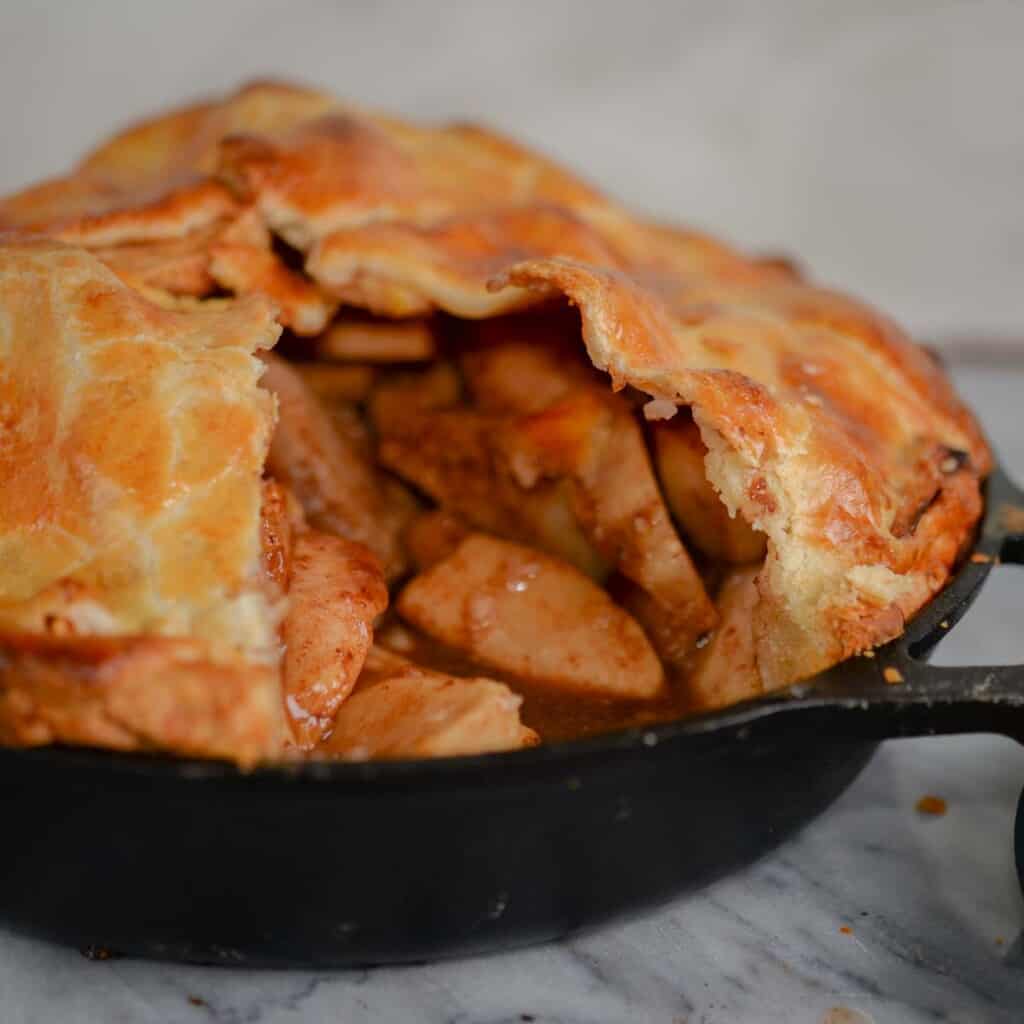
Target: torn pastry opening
{"points": [[536, 529]]}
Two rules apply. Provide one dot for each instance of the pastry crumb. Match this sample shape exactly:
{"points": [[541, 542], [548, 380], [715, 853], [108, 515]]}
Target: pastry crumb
{"points": [[893, 676], [934, 806]]}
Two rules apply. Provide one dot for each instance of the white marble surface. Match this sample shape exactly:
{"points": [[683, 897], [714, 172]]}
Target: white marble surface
{"points": [[934, 912]]}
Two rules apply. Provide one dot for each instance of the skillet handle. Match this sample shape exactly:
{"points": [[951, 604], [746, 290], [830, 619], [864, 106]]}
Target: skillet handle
{"points": [[923, 700], [894, 691]]}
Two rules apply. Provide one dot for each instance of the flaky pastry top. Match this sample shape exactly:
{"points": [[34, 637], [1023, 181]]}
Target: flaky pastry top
{"points": [[827, 427], [132, 443]]}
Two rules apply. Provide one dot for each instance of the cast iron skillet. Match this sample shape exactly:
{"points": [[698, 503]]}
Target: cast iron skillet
{"points": [[337, 864]]}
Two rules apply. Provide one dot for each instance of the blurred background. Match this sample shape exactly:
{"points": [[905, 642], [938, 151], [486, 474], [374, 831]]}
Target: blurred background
{"points": [[881, 142]]}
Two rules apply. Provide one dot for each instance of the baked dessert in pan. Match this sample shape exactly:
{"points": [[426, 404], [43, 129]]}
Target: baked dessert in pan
{"points": [[611, 471]]}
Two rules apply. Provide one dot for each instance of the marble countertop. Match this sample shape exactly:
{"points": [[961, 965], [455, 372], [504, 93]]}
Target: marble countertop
{"points": [[874, 914]]}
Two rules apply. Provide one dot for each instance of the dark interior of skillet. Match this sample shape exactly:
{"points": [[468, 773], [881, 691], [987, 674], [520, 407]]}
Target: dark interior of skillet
{"points": [[341, 864]]}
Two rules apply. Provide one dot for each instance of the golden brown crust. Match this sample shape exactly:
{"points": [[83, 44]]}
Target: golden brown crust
{"points": [[349, 168], [826, 427], [148, 203], [130, 507], [136, 437], [240, 259], [828, 471], [154, 180], [92, 214], [178, 266]]}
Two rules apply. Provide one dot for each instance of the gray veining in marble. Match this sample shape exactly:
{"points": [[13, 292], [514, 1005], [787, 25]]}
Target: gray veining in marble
{"points": [[932, 906]]}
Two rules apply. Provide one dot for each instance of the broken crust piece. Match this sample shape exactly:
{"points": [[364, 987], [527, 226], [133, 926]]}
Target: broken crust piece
{"points": [[308, 162], [130, 509], [535, 617], [413, 712], [350, 168], [241, 259], [175, 266], [248, 270]]}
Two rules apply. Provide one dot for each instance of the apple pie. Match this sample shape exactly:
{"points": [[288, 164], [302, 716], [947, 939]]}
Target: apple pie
{"points": [[522, 466]]}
